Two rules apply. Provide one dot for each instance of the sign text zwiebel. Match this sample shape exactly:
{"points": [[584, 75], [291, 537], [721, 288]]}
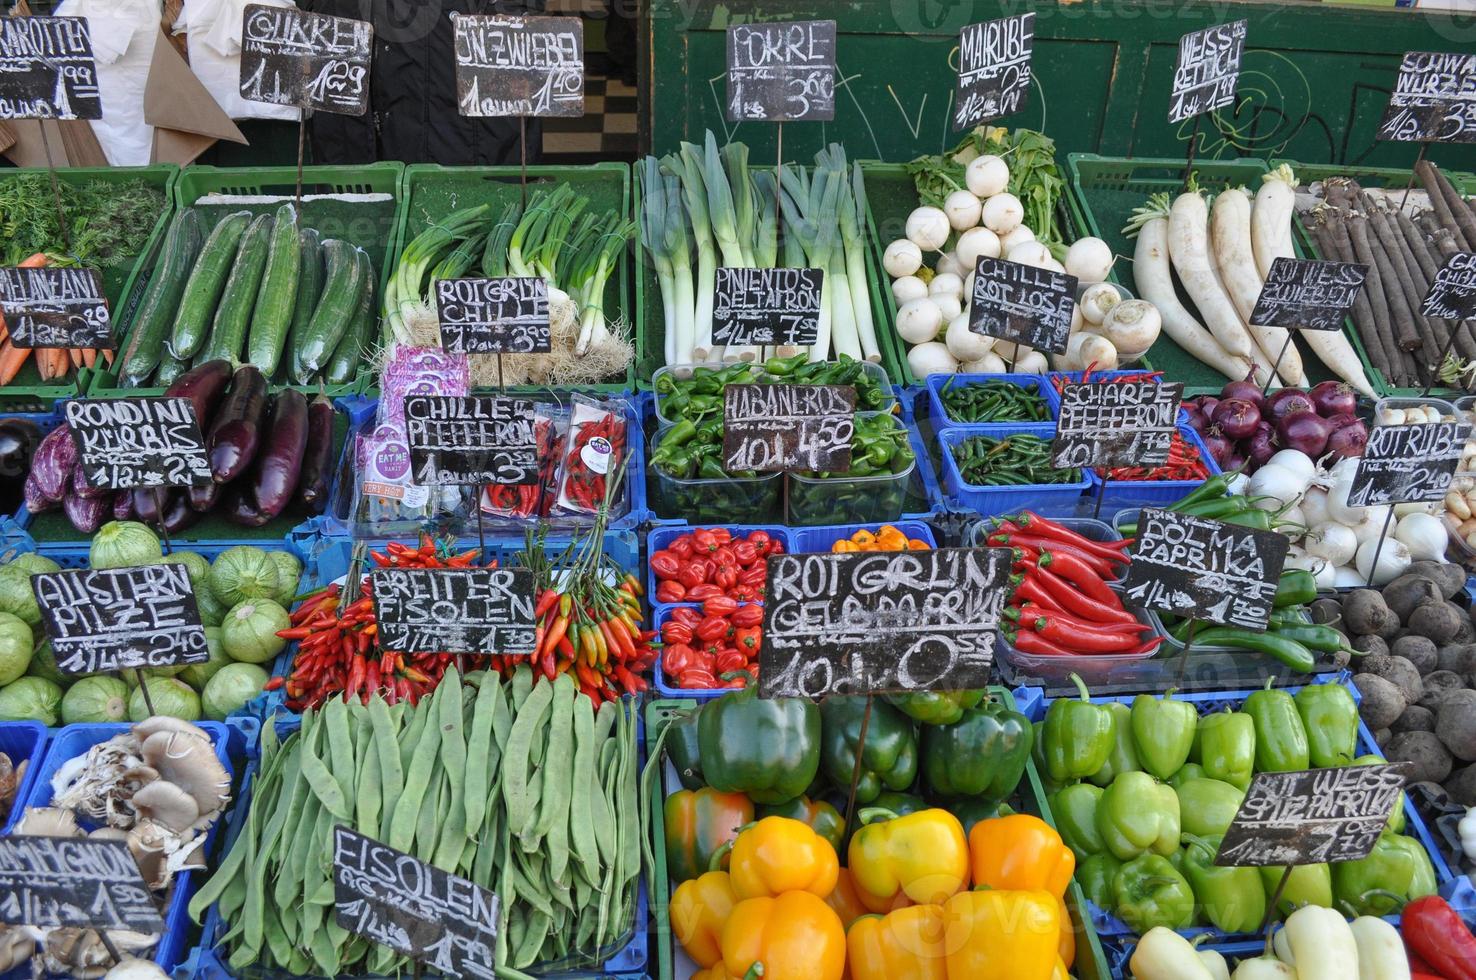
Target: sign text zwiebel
{"points": [[519, 66], [1308, 294], [864, 622]]}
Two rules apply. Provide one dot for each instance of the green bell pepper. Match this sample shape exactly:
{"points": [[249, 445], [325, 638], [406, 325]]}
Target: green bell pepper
{"points": [[971, 810], [1163, 733], [899, 803], [1148, 892], [1037, 755], [1078, 736], [889, 758], [1191, 771], [818, 815], [768, 748], [1232, 899], [1124, 756], [1227, 747], [1377, 884], [1396, 816], [935, 707], [1309, 884], [1207, 806], [1281, 739], [1330, 718], [1075, 810], [1423, 882], [1095, 875], [982, 754], [682, 748], [1138, 814]]}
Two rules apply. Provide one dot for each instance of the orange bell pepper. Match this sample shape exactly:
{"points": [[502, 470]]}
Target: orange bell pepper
{"points": [[794, 936], [1020, 853], [778, 855], [699, 909], [845, 900], [903, 945], [922, 855], [1001, 935]]}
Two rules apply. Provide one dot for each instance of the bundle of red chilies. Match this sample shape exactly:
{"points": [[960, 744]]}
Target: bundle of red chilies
{"points": [[584, 625], [1061, 604]]}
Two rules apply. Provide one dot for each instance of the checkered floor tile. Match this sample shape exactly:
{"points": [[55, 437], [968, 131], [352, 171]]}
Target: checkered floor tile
{"points": [[606, 131]]}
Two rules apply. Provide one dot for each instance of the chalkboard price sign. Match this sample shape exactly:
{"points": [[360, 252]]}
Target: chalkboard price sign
{"points": [[1207, 71], [863, 622], [519, 66], [47, 70], [435, 918], [1408, 464], [1308, 294], [121, 618], [1130, 423], [993, 69], [74, 882], [1434, 99], [1022, 304], [779, 307], [471, 441], [494, 316], [55, 307], [771, 428], [460, 610], [1452, 295], [311, 61], [1315, 816], [1202, 569], [781, 72], [138, 442]]}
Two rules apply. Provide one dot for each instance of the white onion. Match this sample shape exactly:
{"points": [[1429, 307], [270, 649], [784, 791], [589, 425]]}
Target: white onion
{"points": [[1278, 484], [1314, 506], [1296, 461], [1337, 493], [1335, 542], [902, 258], [987, 175], [1424, 535], [1393, 559]]}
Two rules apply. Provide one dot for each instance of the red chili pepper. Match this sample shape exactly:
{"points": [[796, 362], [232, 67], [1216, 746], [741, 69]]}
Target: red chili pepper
{"points": [[1078, 573], [1033, 523], [1030, 610], [726, 577], [1075, 636], [274, 683], [1029, 589], [1027, 642], [1080, 604], [1038, 544], [1435, 931]]}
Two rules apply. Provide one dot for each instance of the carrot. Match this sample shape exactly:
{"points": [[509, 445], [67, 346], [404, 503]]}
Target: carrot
{"points": [[89, 357], [75, 353], [35, 261], [11, 359], [59, 362]]}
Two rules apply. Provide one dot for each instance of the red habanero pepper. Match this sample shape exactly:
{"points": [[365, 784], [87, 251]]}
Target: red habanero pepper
{"points": [[695, 678], [670, 591], [729, 659], [1434, 931], [705, 541], [684, 614], [664, 564], [754, 577], [712, 628], [695, 573], [760, 540], [749, 615], [719, 605], [675, 632], [682, 547], [748, 640], [1073, 636], [725, 577], [1080, 604], [676, 658], [703, 592], [1078, 573], [745, 553]]}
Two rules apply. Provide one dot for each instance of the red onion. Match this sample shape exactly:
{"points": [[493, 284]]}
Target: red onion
{"points": [[1244, 390], [1198, 421], [1207, 404], [1288, 401], [1219, 447], [1340, 420], [1236, 417], [1347, 440], [1304, 431], [1236, 461], [1334, 398], [1262, 446]]}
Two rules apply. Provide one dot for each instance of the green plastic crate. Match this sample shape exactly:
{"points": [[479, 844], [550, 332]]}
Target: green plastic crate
{"points": [[1091, 961], [432, 192], [369, 225], [28, 393], [1108, 189], [650, 314], [1370, 177]]}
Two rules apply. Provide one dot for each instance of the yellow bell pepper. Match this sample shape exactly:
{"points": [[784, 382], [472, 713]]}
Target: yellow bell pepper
{"points": [[795, 936], [718, 973], [699, 908], [1062, 972], [922, 855], [846, 901], [1066, 945], [904, 945], [1001, 935], [778, 855], [1020, 853]]}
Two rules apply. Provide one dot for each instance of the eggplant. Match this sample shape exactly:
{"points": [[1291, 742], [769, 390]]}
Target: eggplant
{"points": [[79, 484], [178, 515], [86, 514], [123, 506], [53, 462], [18, 441], [235, 432], [36, 501], [238, 505], [146, 504], [279, 465], [203, 385], [317, 458], [203, 497]]}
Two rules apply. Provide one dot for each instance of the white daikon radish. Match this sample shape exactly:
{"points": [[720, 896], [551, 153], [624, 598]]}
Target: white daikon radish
{"points": [[1270, 223], [1188, 241], [1230, 235]]}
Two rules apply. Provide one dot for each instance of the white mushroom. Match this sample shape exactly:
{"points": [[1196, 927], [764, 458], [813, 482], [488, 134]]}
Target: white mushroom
{"points": [[48, 821], [165, 803], [190, 763]]}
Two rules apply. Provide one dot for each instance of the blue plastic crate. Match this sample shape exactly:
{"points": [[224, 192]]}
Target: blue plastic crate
{"points": [[819, 539], [937, 382], [46, 421], [1049, 500], [664, 534], [73, 741], [1153, 493], [1451, 884], [670, 690], [22, 741]]}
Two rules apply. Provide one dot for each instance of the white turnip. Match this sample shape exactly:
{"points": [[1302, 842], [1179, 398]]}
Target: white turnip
{"points": [[987, 175], [962, 209], [1097, 301], [1132, 325], [919, 321], [1020, 233], [1002, 213], [908, 288], [963, 343], [948, 263], [902, 258], [1030, 253], [1089, 260], [974, 243], [931, 358], [949, 304], [947, 283], [990, 363], [928, 228]]}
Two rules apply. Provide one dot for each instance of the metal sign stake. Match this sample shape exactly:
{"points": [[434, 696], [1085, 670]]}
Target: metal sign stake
{"points": [[1271, 905], [61, 217], [523, 157], [1374, 565], [1193, 142], [144, 687], [163, 530], [1184, 656], [301, 143], [856, 769], [1277, 364]]}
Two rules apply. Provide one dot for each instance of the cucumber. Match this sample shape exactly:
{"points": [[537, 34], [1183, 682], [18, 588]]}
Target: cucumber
{"points": [[170, 368], [342, 285], [207, 280], [309, 288], [228, 335], [156, 313], [272, 315], [348, 356]]}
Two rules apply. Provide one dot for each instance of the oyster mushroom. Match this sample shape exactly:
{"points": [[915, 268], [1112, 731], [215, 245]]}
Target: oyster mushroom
{"points": [[163, 723], [165, 803], [10, 778], [150, 844], [133, 968], [15, 947], [48, 821], [189, 762]]}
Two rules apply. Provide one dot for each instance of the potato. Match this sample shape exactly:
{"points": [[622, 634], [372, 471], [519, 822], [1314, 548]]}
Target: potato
{"points": [[1418, 650], [1438, 684], [1414, 719], [1365, 612], [1432, 763], [1456, 724], [1461, 785], [1383, 702]]}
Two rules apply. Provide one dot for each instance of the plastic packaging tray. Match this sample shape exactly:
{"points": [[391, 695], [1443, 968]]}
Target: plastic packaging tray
{"points": [[937, 383], [664, 534], [1154, 493], [818, 539], [22, 741], [1114, 929], [862, 499], [666, 684], [1049, 500], [1443, 406], [73, 741], [875, 371]]}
